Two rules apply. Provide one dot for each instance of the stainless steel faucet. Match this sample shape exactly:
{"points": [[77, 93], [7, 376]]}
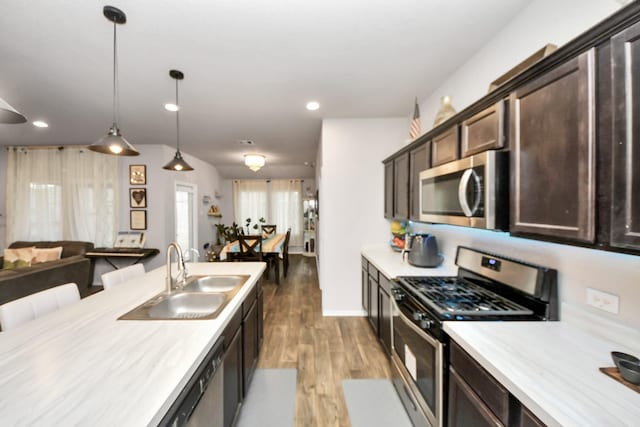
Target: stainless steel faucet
{"points": [[184, 255], [182, 271]]}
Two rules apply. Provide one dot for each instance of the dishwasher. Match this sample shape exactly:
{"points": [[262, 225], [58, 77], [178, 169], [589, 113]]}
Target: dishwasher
{"points": [[201, 401]]}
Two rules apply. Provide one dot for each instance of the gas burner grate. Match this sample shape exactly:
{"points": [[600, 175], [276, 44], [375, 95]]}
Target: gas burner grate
{"points": [[456, 296]]}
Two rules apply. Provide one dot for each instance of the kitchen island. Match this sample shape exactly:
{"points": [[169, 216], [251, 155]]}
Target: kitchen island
{"points": [[83, 366]]}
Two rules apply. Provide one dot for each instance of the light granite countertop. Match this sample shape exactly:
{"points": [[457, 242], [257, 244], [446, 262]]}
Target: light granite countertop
{"points": [[391, 264], [82, 366]]}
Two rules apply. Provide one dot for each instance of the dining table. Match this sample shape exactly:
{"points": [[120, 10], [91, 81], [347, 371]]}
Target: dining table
{"points": [[271, 247]]}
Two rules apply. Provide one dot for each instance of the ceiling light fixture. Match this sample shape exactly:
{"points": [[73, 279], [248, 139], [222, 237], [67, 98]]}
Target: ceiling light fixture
{"points": [[9, 115], [40, 124], [171, 107], [177, 163], [254, 161], [312, 106], [114, 142]]}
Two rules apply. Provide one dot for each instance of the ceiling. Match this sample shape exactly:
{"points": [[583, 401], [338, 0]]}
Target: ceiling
{"points": [[250, 67]]}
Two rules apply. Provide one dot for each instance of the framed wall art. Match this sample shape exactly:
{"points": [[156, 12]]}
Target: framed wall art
{"points": [[137, 174], [138, 220], [137, 197]]}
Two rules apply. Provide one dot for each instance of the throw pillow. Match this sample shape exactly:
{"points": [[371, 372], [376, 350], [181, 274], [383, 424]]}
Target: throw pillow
{"points": [[18, 257], [46, 254]]}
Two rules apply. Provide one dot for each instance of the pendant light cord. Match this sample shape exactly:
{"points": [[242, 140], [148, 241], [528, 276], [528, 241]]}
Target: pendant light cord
{"points": [[177, 120], [115, 74]]}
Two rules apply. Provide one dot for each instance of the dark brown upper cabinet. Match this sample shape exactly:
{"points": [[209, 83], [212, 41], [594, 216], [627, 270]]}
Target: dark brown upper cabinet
{"points": [[625, 206], [445, 147], [484, 131], [552, 142], [419, 160], [401, 186], [388, 189]]}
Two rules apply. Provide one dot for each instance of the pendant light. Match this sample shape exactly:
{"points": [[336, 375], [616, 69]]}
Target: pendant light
{"points": [[177, 163], [114, 142], [10, 115]]}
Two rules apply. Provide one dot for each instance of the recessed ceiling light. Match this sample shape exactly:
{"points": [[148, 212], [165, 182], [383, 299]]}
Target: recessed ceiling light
{"points": [[312, 106], [40, 124], [171, 107]]}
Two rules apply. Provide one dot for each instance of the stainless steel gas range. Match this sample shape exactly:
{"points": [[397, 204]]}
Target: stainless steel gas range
{"points": [[488, 287]]}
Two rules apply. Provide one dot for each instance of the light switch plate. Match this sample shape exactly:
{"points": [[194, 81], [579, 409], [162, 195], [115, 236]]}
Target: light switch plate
{"points": [[603, 301]]}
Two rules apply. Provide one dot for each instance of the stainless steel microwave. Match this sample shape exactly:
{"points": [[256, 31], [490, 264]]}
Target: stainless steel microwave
{"points": [[472, 192]]}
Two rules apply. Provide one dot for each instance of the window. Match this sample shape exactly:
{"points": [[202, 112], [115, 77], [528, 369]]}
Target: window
{"points": [[61, 194], [279, 201]]}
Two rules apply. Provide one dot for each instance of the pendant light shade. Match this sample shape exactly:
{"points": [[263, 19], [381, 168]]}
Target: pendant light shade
{"points": [[10, 115], [114, 143], [177, 163]]}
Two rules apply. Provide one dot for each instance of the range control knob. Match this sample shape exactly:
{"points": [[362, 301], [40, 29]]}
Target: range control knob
{"points": [[398, 295], [418, 315], [426, 324]]}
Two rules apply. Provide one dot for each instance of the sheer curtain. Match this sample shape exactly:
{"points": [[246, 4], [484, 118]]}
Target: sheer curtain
{"points": [[55, 194], [250, 201], [279, 201], [285, 207]]}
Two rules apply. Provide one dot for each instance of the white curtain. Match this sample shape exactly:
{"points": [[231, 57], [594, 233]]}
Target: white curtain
{"points": [[279, 201], [285, 207], [55, 194], [249, 201]]}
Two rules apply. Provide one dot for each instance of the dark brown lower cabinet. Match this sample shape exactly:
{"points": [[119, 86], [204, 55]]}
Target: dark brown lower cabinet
{"points": [[476, 398], [384, 313], [365, 286], [232, 378], [465, 407], [250, 338], [376, 300]]}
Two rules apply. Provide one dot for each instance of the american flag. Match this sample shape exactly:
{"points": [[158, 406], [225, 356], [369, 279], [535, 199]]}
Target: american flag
{"points": [[414, 131]]}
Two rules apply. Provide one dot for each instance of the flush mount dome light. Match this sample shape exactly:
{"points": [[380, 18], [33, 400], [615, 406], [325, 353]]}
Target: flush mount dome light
{"points": [[254, 161], [312, 106], [114, 142], [40, 124], [171, 107]]}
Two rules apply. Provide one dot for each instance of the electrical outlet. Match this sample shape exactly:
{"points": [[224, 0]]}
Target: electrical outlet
{"points": [[603, 300]]}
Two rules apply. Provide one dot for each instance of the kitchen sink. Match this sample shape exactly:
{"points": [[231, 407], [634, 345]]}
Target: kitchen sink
{"points": [[187, 305], [227, 283], [202, 297]]}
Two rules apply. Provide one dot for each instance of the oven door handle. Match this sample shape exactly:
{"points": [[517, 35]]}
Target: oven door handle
{"points": [[462, 192], [434, 342]]}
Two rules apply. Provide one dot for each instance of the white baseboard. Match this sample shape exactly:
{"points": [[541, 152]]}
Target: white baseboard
{"points": [[344, 313]]}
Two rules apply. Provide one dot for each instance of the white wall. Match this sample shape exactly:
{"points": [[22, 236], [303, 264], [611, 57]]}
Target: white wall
{"points": [[351, 182], [161, 200], [544, 21]]}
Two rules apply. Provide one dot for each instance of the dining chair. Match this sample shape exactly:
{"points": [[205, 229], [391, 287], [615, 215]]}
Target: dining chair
{"points": [[250, 248], [25, 309], [113, 278], [268, 230], [285, 252]]}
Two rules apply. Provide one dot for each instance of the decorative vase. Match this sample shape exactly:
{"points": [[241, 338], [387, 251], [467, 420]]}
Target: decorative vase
{"points": [[446, 110]]}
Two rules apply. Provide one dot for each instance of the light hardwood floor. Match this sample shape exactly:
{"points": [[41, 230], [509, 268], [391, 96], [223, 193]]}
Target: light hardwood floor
{"points": [[324, 350]]}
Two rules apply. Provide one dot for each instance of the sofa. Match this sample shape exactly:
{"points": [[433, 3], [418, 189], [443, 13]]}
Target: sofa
{"points": [[72, 266]]}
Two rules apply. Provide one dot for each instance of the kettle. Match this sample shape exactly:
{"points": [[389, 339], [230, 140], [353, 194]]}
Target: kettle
{"points": [[423, 250]]}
